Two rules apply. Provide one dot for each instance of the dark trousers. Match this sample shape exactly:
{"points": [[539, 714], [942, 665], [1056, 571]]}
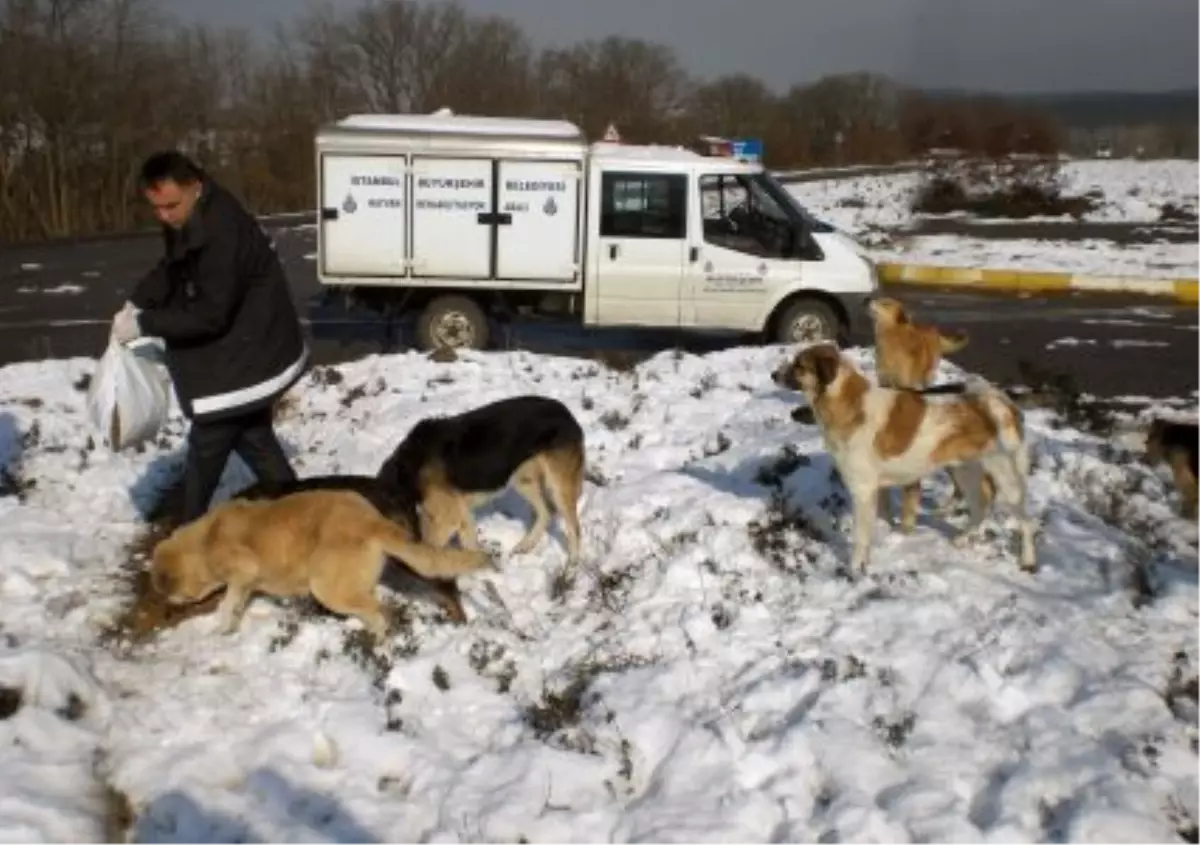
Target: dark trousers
{"points": [[252, 436]]}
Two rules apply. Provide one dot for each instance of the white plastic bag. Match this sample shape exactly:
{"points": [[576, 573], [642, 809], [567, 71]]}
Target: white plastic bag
{"points": [[130, 394]]}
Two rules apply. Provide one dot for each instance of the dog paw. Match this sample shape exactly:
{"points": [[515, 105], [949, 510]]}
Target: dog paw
{"points": [[523, 548], [965, 538], [487, 559]]}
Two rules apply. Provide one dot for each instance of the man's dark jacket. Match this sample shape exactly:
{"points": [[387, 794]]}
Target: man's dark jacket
{"points": [[220, 301]]}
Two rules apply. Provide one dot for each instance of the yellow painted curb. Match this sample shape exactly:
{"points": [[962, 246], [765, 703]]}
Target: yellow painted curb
{"points": [[1181, 290], [1187, 290]]}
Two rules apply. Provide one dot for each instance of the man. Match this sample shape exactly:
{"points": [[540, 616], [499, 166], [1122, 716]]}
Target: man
{"points": [[220, 301]]}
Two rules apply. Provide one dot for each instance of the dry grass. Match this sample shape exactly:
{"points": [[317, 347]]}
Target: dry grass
{"points": [[144, 612], [119, 815]]}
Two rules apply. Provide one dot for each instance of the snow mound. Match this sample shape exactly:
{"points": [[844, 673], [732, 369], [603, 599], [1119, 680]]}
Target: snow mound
{"points": [[53, 716], [711, 673]]}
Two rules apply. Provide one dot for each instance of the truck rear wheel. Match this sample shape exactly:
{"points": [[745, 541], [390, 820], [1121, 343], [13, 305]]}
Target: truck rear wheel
{"points": [[456, 322], [807, 321]]}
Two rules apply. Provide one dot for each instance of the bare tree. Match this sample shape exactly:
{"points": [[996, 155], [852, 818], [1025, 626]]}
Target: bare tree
{"points": [[848, 117], [89, 87], [489, 71], [738, 104], [403, 53], [638, 85], [742, 106], [56, 116], [320, 48]]}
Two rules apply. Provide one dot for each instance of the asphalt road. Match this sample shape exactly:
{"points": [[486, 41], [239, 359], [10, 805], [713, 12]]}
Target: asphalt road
{"points": [[56, 301]]}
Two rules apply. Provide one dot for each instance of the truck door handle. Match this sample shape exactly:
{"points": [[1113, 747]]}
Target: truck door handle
{"points": [[694, 254], [613, 249], [329, 214]]}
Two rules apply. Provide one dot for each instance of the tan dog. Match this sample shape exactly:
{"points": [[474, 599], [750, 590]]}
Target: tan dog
{"points": [[880, 437], [1175, 444], [330, 543], [907, 355]]}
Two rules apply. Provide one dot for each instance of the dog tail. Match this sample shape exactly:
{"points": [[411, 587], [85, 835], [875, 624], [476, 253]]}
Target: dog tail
{"points": [[951, 342], [424, 559]]}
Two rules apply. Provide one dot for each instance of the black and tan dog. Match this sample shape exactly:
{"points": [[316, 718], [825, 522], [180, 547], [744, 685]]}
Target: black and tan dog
{"points": [[453, 465], [1175, 444], [391, 503]]}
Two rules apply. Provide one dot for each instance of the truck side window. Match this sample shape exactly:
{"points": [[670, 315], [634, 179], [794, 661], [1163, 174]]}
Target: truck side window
{"points": [[643, 205], [740, 215]]}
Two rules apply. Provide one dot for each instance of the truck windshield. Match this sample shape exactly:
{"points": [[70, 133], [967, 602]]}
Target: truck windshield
{"points": [[779, 192]]}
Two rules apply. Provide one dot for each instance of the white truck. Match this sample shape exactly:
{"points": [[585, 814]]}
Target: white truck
{"points": [[462, 220]]}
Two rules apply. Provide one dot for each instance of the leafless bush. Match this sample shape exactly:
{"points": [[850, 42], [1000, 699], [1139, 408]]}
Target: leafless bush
{"points": [[1015, 186]]}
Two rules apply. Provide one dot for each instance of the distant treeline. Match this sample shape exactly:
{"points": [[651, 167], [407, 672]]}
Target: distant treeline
{"points": [[89, 87], [1099, 109]]}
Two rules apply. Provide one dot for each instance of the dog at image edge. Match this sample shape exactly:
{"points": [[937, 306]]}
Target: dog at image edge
{"points": [[454, 465], [331, 544], [1175, 444], [907, 355], [880, 437]]}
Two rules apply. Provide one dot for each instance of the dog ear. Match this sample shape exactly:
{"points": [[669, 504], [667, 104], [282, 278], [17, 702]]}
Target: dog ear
{"points": [[896, 312], [826, 362], [162, 581]]}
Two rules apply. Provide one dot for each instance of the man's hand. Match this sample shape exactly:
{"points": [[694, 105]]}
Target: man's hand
{"points": [[125, 324]]}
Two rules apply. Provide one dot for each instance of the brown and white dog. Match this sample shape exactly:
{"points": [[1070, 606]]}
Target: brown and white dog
{"points": [[881, 437], [907, 356]]}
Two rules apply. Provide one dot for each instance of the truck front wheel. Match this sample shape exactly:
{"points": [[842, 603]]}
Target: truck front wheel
{"points": [[806, 321], [456, 322]]}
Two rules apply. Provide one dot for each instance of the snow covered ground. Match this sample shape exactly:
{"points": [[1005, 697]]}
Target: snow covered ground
{"points": [[1133, 191], [875, 208], [710, 675], [1091, 256]]}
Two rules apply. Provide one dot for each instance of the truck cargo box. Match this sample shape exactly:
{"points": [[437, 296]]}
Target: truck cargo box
{"points": [[441, 201]]}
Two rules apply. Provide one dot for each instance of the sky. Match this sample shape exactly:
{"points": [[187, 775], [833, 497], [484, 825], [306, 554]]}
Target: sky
{"points": [[999, 45]]}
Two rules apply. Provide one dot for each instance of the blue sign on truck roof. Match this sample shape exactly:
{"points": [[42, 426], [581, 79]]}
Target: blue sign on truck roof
{"points": [[747, 149]]}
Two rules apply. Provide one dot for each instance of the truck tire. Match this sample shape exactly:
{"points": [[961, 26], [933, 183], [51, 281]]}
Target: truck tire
{"points": [[807, 321], [453, 321]]}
